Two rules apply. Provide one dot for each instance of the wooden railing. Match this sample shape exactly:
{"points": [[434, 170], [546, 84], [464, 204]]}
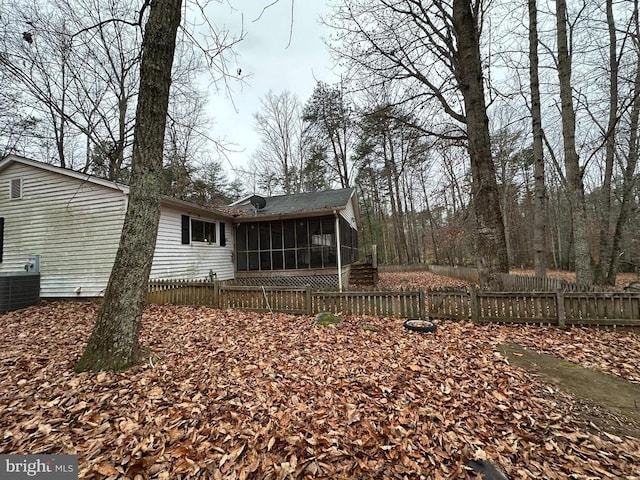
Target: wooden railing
{"points": [[554, 308]]}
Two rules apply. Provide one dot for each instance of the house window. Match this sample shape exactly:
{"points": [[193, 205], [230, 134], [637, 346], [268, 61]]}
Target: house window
{"points": [[202, 231], [15, 191], [194, 230]]}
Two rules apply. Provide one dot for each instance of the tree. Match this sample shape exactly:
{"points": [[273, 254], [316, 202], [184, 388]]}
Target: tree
{"points": [[77, 80], [573, 171], [491, 251], [629, 179], [113, 343], [315, 176], [329, 116], [540, 248], [283, 139], [433, 49]]}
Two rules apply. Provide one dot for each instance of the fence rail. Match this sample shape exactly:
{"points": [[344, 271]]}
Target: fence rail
{"points": [[554, 308]]}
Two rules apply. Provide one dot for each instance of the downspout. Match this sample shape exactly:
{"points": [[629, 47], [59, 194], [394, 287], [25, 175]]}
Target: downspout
{"points": [[338, 250]]}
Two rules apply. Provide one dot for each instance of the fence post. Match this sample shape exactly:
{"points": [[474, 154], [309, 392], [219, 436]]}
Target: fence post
{"points": [[560, 308], [421, 308], [475, 307], [216, 293], [307, 299]]}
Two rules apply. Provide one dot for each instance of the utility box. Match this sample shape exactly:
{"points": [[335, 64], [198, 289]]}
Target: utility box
{"points": [[33, 264]]}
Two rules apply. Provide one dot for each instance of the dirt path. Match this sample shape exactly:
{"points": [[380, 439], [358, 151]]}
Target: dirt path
{"points": [[609, 403]]}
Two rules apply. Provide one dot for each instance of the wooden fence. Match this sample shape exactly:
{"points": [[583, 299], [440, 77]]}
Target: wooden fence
{"points": [[380, 304], [511, 283], [554, 308], [218, 295], [559, 308], [286, 299]]}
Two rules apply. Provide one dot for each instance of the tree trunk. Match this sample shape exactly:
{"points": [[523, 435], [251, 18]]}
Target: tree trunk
{"points": [[601, 270], [632, 161], [575, 188], [431, 222], [540, 224], [395, 208], [491, 251], [113, 344]]}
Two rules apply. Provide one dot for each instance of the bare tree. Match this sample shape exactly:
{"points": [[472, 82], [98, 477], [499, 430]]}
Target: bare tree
{"points": [[491, 251], [540, 249], [434, 48], [573, 170], [283, 142], [113, 344], [72, 79], [629, 177]]}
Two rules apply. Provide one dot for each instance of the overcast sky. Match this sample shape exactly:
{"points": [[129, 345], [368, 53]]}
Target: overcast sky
{"points": [[268, 64]]}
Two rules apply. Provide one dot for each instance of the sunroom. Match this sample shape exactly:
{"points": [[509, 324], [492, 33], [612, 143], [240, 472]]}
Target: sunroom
{"points": [[297, 239]]}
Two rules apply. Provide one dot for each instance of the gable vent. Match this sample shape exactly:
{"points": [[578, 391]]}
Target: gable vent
{"points": [[16, 189]]}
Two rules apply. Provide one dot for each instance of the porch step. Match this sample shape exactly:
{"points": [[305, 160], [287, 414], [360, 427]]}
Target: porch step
{"points": [[363, 276]]}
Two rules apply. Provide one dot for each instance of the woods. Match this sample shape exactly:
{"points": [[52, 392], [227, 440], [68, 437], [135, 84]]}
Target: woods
{"points": [[557, 121]]}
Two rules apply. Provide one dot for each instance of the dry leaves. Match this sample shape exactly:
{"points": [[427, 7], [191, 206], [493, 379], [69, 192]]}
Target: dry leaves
{"points": [[609, 350], [238, 395], [416, 281], [622, 279]]}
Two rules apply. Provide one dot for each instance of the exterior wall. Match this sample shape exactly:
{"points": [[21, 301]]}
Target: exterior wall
{"points": [[349, 214], [73, 225], [173, 260]]}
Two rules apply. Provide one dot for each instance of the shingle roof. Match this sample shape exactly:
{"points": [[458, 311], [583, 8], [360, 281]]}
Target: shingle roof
{"points": [[297, 203]]}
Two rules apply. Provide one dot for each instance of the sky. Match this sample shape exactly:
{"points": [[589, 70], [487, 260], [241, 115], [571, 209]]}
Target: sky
{"points": [[268, 62]]}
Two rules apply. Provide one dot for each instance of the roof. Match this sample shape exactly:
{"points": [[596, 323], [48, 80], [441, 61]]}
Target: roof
{"points": [[296, 203], [85, 177]]}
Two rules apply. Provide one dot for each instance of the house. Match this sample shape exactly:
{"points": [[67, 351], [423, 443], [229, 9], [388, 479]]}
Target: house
{"points": [[73, 221], [296, 239]]}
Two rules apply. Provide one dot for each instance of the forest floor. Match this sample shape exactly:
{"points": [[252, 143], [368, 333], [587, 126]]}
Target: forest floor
{"points": [[622, 279], [428, 280], [233, 394]]}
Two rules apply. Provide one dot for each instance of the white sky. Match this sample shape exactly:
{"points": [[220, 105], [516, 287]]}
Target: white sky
{"points": [[268, 64]]}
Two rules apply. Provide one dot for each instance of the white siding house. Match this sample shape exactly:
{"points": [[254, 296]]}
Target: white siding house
{"points": [[73, 221]]}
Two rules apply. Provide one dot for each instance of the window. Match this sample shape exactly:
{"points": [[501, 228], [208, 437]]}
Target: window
{"points": [[15, 192], [194, 230], [202, 231]]}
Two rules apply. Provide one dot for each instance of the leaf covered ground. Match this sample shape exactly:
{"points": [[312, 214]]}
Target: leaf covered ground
{"points": [[431, 281], [417, 280], [230, 394]]}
